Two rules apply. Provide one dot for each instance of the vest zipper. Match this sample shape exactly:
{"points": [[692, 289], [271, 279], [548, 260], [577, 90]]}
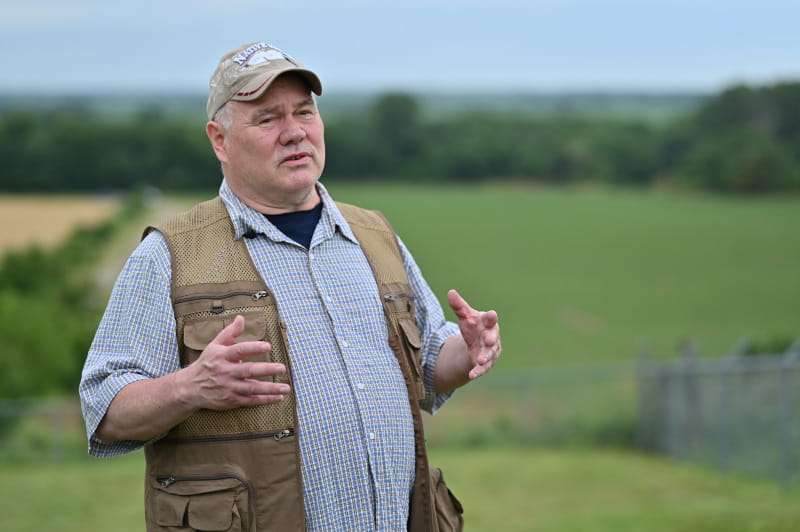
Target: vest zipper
{"points": [[278, 435], [281, 434], [166, 481], [255, 296]]}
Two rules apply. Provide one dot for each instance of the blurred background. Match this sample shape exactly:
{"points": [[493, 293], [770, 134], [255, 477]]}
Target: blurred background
{"points": [[619, 180]]}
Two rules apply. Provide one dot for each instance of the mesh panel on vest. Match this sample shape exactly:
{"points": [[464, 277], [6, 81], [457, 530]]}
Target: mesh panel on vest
{"points": [[211, 255], [254, 420]]}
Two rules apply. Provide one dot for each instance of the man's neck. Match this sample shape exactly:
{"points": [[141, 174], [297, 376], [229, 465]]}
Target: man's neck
{"points": [[303, 201]]}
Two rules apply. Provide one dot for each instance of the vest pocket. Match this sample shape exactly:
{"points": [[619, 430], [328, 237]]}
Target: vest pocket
{"points": [[409, 334], [200, 503], [447, 509], [199, 332]]}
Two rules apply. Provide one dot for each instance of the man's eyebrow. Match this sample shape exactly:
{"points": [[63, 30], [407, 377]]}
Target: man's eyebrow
{"points": [[264, 111]]}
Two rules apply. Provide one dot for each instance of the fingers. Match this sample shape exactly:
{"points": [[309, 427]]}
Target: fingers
{"points": [[224, 380], [228, 335], [229, 385], [489, 319], [244, 350], [237, 352], [483, 340], [491, 332], [243, 387], [249, 391], [477, 371], [486, 359], [257, 370], [489, 352], [464, 311]]}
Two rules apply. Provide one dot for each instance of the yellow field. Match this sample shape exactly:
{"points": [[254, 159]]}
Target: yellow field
{"points": [[46, 220]]}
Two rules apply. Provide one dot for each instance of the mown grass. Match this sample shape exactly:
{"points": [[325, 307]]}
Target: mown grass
{"points": [[583, 275], [502, 489], [516, 489]]}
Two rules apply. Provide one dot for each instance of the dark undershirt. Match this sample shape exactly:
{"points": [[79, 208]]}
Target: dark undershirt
{"points": [[298, 225]]}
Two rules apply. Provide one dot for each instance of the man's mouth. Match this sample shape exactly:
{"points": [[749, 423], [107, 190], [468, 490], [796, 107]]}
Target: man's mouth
{"points": [[295, 157]]}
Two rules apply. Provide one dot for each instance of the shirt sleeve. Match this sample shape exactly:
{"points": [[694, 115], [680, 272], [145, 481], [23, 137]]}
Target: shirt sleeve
{"points": [[135, 339], [433, 328]]}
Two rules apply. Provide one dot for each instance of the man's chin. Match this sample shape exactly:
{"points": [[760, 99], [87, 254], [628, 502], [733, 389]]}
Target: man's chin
{"points": [[300, 179]]}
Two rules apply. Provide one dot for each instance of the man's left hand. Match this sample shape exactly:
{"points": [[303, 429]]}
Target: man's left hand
{"points": [[481, 333]]}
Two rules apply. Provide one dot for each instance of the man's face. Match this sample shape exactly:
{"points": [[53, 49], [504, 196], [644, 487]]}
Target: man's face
{"points": [[274, 150]]}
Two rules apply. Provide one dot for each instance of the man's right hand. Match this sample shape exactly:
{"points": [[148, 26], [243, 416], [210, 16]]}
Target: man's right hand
{"points": [[220, 378]]}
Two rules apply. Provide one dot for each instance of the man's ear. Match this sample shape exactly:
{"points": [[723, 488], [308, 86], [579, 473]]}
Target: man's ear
{"points": [[216, 135]]}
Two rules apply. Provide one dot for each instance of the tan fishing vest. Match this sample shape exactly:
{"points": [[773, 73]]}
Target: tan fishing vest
{"points": [[239, 470]]}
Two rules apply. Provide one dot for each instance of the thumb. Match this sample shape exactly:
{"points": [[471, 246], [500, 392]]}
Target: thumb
{"points": [[228, 335], [458, 304]]}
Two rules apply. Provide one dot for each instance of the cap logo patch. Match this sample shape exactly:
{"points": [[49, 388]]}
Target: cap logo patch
{"points": [[260, 53]]}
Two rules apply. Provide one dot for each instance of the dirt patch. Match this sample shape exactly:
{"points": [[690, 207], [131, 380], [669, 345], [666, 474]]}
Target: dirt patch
{"points": [[47, 219]]}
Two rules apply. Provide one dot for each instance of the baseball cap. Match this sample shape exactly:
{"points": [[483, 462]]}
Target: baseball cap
{"points": [[243, 74]]}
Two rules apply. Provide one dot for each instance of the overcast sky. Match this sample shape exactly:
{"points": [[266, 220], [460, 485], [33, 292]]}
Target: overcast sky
{"points": [[517, 45]]}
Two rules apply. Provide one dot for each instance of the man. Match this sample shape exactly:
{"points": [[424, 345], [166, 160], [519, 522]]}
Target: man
{"points": [[201, 375]]}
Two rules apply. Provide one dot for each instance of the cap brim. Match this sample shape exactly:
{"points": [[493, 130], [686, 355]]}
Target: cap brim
{"points": [[256, 87]]}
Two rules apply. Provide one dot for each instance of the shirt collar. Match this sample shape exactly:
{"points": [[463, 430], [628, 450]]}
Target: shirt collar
{"points": [[248, 221]]}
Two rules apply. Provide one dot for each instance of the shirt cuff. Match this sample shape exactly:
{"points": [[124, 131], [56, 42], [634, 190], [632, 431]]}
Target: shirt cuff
{"points": [[434, 401], [94, 415]]}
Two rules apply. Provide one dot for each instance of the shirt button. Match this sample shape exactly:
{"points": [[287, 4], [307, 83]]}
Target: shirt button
{"points": [[360, 385], [345, 344], [371, 435], [329, 299]]}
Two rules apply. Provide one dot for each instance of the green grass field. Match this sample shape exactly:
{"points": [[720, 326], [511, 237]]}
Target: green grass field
{"points": [[502, 489], [588, 274]]}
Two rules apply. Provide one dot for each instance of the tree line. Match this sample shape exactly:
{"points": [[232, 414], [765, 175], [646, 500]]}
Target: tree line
{"points": [[744, 139]]}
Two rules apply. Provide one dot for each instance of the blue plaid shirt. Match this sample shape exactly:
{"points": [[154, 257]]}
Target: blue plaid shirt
{"points": [[356, 438]]}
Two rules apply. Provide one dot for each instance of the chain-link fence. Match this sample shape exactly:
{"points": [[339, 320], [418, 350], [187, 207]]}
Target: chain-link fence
{"points": [[573, 405], [740, 413]]}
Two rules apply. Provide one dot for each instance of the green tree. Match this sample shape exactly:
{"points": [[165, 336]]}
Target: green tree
{"points": [[398, 134]]}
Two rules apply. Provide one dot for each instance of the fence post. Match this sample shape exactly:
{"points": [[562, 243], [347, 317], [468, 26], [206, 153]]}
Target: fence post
{"points": [[693, 421], [724, 436], [645, 409], [791, 364], [679, 402]]}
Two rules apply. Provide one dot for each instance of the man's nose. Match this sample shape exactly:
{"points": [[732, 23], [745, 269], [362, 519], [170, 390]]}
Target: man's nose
{"points": [[293, 132]]}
